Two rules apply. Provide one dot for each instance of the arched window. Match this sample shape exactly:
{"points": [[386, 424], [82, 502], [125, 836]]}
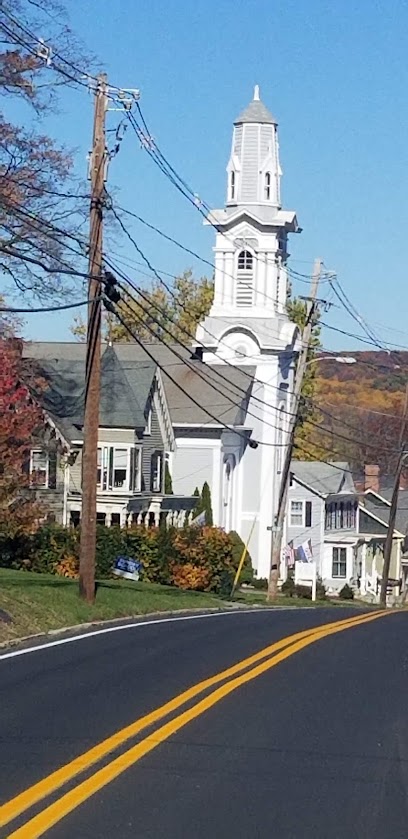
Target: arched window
{"points": [[232, 186], [245, 279], [267, 189]]}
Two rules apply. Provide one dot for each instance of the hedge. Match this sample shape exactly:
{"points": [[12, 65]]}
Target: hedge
{"points": [[197, 558]]}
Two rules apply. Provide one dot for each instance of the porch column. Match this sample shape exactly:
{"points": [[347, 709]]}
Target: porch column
{"points": [[363, 580], [108, 520]]}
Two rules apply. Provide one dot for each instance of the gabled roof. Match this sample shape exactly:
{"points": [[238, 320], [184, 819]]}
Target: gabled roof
{"points": [[204, 389], [324, 478], [125, 390], [379, 504]]}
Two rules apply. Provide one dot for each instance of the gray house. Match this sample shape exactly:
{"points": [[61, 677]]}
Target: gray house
{"points": [[345, 531], [135, 439]]}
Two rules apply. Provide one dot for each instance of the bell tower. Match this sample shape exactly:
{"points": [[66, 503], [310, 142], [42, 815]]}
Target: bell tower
{"points": [[248, 317]]}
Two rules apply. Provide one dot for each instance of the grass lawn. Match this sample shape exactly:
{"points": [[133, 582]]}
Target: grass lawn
{"points": [[40, 602]]}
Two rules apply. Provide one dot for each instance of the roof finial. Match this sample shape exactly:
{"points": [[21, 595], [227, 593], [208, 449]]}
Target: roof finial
{"points": [[256, 93]]}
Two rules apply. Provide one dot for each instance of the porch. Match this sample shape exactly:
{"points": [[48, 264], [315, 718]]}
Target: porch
{"points": [[145, 509]]}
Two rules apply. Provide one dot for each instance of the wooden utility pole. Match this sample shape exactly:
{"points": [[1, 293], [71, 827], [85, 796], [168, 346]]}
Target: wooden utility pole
{"points": [[277, 529], [93, 349], [394, 503]]}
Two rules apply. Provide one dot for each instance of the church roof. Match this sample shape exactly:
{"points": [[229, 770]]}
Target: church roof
{"points": [[256, 111]]}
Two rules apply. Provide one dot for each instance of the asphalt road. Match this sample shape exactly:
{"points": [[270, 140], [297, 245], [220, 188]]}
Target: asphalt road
{"points": [[316, 746]]}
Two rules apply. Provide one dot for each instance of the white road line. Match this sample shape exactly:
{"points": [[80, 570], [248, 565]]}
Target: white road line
{"points": [[135, 625]]}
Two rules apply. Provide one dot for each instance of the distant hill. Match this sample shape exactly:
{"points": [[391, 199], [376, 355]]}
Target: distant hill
{"points": [[361, 406]]}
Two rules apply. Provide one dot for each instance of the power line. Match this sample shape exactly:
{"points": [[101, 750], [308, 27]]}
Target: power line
{"points": [[212, 416], [32, 310], [226, 381]]}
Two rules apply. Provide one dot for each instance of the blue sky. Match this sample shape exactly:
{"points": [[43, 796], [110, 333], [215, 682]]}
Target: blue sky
{"points": [[336, 77]]}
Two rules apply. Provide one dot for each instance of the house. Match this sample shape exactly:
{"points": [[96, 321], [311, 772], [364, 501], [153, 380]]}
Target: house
{"points": [[135, 438], [346, 530], [374, 517], [229, 397], [322, 509]]}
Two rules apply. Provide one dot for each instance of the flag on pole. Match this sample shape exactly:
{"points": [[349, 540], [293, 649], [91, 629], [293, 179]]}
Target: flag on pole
{"points": [[304, 553], [289, 555]]}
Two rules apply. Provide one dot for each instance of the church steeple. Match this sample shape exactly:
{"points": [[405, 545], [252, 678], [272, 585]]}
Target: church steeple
{"points": [[248, 317], [253, 169]]}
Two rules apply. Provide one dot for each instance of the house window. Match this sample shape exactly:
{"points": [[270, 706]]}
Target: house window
{"points": [[339, 562], [157, 471], [341, 515], [39, 468], [232, 186], [267, 187], [119, 469], [245, 279], [297, 513], [148, 429]]}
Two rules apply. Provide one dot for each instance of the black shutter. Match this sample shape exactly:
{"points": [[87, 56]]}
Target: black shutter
{"points": [[308, 521], [52, 470]]}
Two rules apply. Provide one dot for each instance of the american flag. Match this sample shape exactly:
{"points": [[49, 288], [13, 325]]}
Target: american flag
{"points": [[289, 555]]}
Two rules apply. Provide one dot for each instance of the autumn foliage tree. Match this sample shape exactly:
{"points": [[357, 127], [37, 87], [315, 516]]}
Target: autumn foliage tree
{"points": [[160, 315], [19, 419], [41, 210]]}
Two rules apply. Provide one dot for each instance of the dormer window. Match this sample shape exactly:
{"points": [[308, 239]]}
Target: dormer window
{"points": [[245, 279], [267, 187], [232, 186]]}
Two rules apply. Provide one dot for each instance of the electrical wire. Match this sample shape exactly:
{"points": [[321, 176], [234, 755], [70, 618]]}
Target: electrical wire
{"points": [[227, 383], [32, 310]]}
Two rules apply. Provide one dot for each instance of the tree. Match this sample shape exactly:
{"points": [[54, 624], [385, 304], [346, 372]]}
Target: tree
{"points": [[160, 314], [41, 212], [307, 444], [206, 504], [10, 324], [20, 417]]}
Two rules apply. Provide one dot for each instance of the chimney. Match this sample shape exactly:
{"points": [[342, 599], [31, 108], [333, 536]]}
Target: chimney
{"points": [[372, 477]]}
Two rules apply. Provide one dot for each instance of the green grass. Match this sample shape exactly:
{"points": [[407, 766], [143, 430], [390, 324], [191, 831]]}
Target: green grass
{"points": [[40, 602]]}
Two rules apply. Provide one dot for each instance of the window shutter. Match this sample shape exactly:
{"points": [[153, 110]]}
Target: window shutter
{"points": [[52, 470], [308, 518]]}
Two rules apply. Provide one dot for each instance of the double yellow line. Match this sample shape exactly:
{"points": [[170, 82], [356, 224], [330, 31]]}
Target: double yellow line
{"points": [[242, 672]]}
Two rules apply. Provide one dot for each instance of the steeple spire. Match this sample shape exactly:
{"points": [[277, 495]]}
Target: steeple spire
{"points": [[256, 93]]}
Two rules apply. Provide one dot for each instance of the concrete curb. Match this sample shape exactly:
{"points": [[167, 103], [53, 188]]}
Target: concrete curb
{"points": [[83, 627]]}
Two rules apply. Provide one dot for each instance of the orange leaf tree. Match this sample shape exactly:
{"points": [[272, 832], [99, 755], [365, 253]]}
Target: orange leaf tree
{"points": [[19, 420]]}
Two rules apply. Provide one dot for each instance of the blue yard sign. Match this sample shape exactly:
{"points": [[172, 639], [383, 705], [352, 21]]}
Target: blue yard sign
{"points": [[127, 567]]}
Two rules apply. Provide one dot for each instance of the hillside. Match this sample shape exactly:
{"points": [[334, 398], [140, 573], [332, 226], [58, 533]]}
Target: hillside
{"points": [[361, 406]]}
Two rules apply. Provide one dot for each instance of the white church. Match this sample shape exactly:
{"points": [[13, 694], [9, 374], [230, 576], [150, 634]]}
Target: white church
{"points": [[247, 328], [217, 410]]}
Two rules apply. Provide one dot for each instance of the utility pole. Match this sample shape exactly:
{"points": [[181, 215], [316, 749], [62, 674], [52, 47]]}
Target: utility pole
{"points": [[277, 529], [394, 504], [93, 348]]}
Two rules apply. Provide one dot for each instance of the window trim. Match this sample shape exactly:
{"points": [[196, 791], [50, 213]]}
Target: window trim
{"points": [[303, 503], [233, 185], [157, 471], [339, 562], [244, 279], [47, 469], [107, 468], [267, 186], [148, 429]]}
